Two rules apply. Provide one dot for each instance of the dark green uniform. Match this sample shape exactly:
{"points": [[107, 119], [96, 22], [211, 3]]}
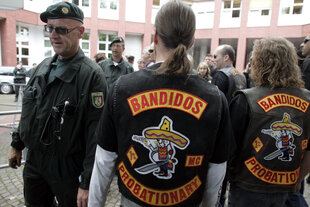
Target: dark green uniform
{"points": [[113, 71], [59, 116]]}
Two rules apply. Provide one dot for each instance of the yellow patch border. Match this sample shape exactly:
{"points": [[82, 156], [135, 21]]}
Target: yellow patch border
{"points": [[167, 98], [188, 162], [276, 100], [132, 161], [255, 143], [271, 176], [156, 197]]}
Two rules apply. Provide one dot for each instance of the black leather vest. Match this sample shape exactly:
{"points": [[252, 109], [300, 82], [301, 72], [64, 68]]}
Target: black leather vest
{"points": [[236, 81], [163, 154], [275, 140]]}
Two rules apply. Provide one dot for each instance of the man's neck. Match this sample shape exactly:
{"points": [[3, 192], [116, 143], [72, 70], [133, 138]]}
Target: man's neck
{"points": [[116, 59]]}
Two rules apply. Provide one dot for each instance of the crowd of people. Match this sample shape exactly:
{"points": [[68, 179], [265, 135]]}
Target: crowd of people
{"points": [[172, 134]]}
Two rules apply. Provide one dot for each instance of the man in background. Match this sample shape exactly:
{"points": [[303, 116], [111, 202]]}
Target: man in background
{"points": [[131, 59], [116, 66], [227, 78], [208, 60], [19, 78], [148, 55], [305, 50], [31, 70]]}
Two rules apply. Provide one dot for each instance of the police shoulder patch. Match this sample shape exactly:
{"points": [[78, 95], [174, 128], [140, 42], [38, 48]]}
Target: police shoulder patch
{"points": [[97, 99]]}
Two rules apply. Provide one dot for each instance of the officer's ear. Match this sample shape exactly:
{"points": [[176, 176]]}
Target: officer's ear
{"points": [[81, 30]]}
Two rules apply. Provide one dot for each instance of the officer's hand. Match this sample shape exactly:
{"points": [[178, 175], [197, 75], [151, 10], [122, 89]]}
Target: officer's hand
{"points": [[15, 158], [82, 198]]}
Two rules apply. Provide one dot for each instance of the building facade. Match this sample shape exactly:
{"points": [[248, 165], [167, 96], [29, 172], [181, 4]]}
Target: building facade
{"points": [[234, 22]]}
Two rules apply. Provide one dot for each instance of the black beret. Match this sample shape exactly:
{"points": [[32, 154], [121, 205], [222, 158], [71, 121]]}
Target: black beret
{"points": [[61, 10], [117, 39]]}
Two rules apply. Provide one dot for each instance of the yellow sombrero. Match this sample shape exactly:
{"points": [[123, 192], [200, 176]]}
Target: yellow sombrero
{"points": [[286, 124], [165, 134]]}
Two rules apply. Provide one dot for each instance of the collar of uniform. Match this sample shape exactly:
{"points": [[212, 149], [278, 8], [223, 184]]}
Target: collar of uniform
{"points": [[112, 63], [72, 67], [69, 73]]}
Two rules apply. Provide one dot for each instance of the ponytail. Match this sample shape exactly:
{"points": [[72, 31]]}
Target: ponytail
{"points": [[177, 63], [175, 25]]}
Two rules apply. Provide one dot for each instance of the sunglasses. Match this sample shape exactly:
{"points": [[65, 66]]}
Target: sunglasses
{"points": [[306, 40], [59, 30]]}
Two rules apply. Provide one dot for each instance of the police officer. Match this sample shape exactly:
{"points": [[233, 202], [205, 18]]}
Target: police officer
{"points": [[19, 77], [151, 127], [271, 127], [61, 106], [116, 66]]}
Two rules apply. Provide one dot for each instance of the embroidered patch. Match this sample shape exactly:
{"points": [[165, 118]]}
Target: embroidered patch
{"points": [[167, 98], [282, 132], [161, 142], [271, 176], [97, 99], [282, 99], [257, 144], [64, 10], [155, 197]]}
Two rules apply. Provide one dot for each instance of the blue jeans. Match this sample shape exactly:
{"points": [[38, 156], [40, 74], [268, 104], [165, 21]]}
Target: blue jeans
{"points": [[295, 200], [239, 197]]}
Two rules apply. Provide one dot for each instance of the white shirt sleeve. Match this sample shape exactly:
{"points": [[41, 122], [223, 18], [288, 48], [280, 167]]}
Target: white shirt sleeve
{"points": [[102, 175], [215, 177]]}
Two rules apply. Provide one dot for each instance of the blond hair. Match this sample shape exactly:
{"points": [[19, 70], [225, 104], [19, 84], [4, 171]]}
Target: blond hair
{"points": [[274, 64], [205, 65]]}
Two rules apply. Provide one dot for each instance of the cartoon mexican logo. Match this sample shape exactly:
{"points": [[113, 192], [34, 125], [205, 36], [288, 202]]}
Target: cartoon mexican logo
{"points": [[283, 132], [161, 142]]}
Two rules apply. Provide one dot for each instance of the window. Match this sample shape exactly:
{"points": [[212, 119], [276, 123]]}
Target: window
{"points": [[233, 6], [109, 4], [85, 2], [108, 9], [103, 4], [85, 43], [236, 13], [82, 3], [113, 5], [48, 49], [156, 2], [265, 12], [22, 44], [104, 43], [297, 9], [292, 7], [24, 31], [261, 7], [227, 4], [285, 10]]}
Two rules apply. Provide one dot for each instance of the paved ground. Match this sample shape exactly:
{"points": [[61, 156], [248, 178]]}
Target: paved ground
{"points": [[11, 183]]}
